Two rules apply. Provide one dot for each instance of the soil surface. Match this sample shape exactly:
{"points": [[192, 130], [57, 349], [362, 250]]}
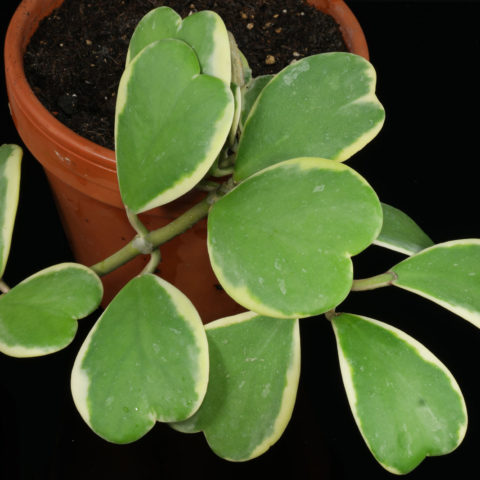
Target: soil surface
{"points": [[76, 58]]}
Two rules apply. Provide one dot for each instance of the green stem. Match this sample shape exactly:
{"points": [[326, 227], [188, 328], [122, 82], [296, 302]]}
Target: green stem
{"points": [[378, 281], [142, 232], [221, 172], [146, 243], [152, 264], [136, 223]]}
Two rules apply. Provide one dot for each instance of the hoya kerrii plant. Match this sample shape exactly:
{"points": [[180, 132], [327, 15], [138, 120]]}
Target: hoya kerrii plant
{"points": [[285, 218]]}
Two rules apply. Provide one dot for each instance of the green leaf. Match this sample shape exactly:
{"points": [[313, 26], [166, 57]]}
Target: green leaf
{"points": [[321, 106], [157, 24], [400, 233], [204, 31], [280, 243], [10, 160], [247, 71], [254, 372], [447, 274], [171, 123], [146, 359], [207, 34], [406, 403], [241, 71], [252, 91], [39, 316]]}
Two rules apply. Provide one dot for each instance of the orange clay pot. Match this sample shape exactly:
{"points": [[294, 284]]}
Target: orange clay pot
{"points": [[83, 178]]}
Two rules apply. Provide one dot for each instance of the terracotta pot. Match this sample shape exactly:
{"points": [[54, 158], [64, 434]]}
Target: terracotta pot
{"points": [[83, 177], [351, 30]]}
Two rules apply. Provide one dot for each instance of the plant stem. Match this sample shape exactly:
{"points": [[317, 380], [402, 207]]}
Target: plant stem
{"points": [[4, 288], [207, 186], [221, 172], [136, 223], [142, 243], [331, 314], [152, 264], [156, 237], [378, 281]]}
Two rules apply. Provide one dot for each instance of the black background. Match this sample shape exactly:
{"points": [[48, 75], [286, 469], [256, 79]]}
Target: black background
{"points": [[424, 161]]}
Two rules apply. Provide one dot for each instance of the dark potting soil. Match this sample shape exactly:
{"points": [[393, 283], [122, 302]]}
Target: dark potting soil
{"points": [[76, 58]]}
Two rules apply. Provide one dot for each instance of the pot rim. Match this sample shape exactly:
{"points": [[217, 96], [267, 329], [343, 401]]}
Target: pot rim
{"points": [[24, 23], [22, 26], [349, 25]]}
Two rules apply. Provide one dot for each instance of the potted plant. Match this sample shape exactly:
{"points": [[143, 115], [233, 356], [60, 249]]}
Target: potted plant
{"points": [[94, 210], [257, 220]]}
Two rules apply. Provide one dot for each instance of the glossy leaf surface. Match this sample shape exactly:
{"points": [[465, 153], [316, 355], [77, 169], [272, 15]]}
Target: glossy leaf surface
{"points": [[407, 405], [10, 161], [321, 106], [280, 243], [447, 274], [146, 359], [254, 371], [39, 315], [400, 233], [204, 31], [171, 123]]}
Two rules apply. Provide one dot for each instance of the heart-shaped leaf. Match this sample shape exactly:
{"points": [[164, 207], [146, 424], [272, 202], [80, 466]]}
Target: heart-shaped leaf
{"points": [[280, 243], [254, 372], [39, 315], [447, 274], [406, 403], [146, 359], [171, 123], [204, 31], [10, 160], [400, 233], [322, 106]]}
